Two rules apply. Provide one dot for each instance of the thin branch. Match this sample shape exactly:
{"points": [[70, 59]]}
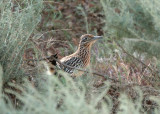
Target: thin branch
{"points": [[142, 40], [46, 58], [153, 72], [94, 73], [52, 2], [54, 31]]}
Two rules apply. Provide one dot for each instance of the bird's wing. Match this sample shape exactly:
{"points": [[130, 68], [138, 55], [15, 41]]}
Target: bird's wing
{"points": [[73, 62]]}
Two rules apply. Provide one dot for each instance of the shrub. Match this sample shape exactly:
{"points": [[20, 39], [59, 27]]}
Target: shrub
{"points": [[134, 23], [17, 23]]}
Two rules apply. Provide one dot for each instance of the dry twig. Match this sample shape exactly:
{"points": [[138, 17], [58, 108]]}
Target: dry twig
{"points": [[94, 73], [152, 71]]}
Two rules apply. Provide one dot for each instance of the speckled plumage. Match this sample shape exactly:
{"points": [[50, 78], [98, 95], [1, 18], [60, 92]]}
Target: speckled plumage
{"points": [[81, 58]]}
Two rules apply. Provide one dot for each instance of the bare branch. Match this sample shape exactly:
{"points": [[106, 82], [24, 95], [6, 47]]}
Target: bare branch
{"points": [[152, 71], [94, 73]]}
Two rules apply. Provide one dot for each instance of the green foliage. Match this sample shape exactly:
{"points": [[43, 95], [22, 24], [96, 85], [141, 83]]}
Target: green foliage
{"points": [[17, 23], [56, 97], [131, 108], [135, 23], [72, 97]]}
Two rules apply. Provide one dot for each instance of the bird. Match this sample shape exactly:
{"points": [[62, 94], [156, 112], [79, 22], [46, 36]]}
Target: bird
{"points": [[51, 64], [81, 57]]}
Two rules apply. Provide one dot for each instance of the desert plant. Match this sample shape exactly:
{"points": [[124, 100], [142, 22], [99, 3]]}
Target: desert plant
{"points": [[17, 23], [134, 23], [53, 94]]}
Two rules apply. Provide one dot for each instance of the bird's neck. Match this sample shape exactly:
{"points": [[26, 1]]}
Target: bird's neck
{"points": [[84, 53]]}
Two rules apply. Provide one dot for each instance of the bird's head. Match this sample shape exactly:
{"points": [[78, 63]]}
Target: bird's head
{"points": [[89, 39]]}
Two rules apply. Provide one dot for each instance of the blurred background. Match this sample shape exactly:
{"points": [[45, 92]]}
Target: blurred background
{"points": [[128, 57]]}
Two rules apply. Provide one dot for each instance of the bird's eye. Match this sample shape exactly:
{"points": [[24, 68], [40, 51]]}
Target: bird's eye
{"points": [[85, 39]]}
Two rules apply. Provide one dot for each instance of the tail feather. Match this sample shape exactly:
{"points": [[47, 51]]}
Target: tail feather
{"points": [[52, 64]]}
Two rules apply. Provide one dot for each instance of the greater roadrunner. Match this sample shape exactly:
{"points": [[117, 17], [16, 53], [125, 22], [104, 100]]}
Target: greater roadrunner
{"points": [[80, 58]]}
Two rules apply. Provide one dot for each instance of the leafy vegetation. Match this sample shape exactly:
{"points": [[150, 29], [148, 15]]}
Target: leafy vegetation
{"points": [[128, 55]]}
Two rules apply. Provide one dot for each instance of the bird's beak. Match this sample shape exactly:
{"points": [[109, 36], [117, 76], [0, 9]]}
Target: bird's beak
{"points": [[97, 37]]}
